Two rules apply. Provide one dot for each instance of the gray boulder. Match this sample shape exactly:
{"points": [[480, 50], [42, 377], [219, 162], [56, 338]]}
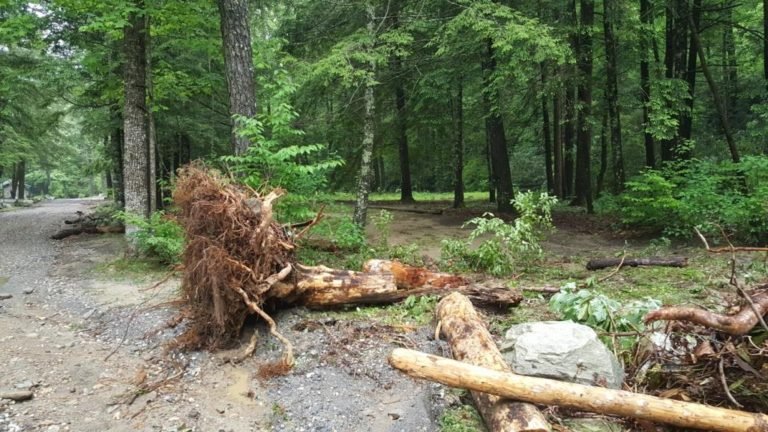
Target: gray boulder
{"points": [[561, 350]]}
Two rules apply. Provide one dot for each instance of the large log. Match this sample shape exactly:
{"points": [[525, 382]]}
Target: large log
{"points": [[576, 396], [601, 263], [470, 342]]}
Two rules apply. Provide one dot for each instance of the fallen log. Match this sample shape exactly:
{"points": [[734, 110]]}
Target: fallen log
{"points": [[576, 396], [601, 263], [101, 229], [471, 342], [738, 324]]}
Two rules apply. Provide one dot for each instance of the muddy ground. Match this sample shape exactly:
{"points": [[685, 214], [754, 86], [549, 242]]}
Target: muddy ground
{"points": [[91, 346]]}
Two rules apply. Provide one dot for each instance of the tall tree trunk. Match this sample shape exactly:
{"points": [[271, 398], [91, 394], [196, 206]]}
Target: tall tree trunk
{"points": [[612, 95], [238, 62], [406, 190], [719, 105], [676, 65], [458, 147], [584, 141], [603, 154], [21, 171], [557, 134], [14, 180], [136, 170], [645, 81], [546, 132], [684, 150], [491, 175], [730, 69], [116, 154], [151, 132], [498, 140], [364, 181], [569, 132]]}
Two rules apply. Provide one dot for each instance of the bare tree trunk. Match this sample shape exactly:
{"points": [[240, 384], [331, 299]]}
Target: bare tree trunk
{"points": [[136, 170], [569, 132], [683, 151], [21, 171], [546, 132], [116, 154], [14, 180], [603, 154], [406, 189], [612, 95], [458, 148], [713, 88], [584, 142], [364, 180], [238, 61], [557, 134], [645, 82], [675, 61], [152, 134], [498, 141]]}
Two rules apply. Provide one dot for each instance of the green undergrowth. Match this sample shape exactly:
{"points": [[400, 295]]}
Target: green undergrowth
{"points": [[462, 418], [417, 196]]}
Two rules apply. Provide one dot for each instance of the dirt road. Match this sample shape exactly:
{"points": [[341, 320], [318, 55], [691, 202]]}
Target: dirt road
{"points": [[92, 349]]}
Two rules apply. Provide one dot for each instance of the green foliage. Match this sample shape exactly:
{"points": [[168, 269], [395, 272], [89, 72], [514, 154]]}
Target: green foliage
{"points": [[159, 237], [706, 194], [464, 418], [383, 223], [408, 254], [509, 245]]}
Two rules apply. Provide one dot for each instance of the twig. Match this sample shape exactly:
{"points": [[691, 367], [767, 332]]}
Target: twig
{"points": [[728, 249], [311, 223], [288, 353], [616, 270], [725, 385]]}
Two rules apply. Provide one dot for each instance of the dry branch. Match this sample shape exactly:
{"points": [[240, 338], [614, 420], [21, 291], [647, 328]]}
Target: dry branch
{"points": [[738, 324], [601, 263], [88, 229], [576, 396], [470, 342]]}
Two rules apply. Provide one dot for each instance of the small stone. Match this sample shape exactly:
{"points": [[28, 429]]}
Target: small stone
{"points": [[30, 291], [24, 385], [31, 335], [220, 410], [5, 296], [53, 428], [194, 414]]}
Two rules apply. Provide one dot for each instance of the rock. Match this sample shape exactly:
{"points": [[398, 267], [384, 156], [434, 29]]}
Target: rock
{"points": [[29, 291], [5, 296], [24, 385], [53, 428], [17, 395], [561, 350]]}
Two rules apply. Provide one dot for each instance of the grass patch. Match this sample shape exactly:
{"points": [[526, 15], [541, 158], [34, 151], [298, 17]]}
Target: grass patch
{"points": [[131, 269], [413, 311]]}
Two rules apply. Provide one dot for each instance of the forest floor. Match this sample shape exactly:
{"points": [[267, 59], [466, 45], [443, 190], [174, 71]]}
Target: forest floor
{"points": [[87, 332]]}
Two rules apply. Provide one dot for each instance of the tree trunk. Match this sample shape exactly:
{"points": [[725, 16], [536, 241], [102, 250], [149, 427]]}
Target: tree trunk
{"points": [[584, 142], [116, 154], [458, 147], [364, 179], [14, 180], [730, 69], [471, 343], [497, 138], [612, 95], [683, 151], [136, 171], [21, 171], [569, 132], [713, 88], [557, 133], [406, 191], [603, 154], [151, 132], [575, 396], [645, 81], [238, 62], [600, 263], [546, 133], [675, 62]]}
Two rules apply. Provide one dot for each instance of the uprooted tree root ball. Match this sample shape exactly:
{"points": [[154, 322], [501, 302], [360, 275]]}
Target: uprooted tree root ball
{"points": [[234, 253]]}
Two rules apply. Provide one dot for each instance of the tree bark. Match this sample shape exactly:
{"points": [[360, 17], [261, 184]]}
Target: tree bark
{"points": [[675, 62], [576, 396], [458, 147], [645, 82], [603, 154], [406, 189], [557, 134], [497, 137], [713, 88], [238, 62], [612, 94], [584, 141], [21, 171], [151, 132], [683, 151], [116, 154], [546, 132], [14, 180], [601, 263], [364, 180], [471, 343], [136, 170]]}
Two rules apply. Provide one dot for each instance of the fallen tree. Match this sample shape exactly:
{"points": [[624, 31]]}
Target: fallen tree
{"points": [[237, 259], [586, 398], [601, 263], [738, 324], [470, 342]]}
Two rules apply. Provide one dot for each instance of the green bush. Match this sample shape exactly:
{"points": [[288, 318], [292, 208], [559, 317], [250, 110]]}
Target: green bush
{"points": [[509, 245], [710, 195], [159, 237]]}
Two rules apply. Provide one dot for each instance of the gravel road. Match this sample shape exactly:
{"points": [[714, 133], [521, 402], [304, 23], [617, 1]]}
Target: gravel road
{"points": [[92, 350]]}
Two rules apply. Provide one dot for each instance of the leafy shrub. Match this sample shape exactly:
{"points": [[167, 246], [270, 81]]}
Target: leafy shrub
{"points": [[701, 193], [159, 237], [510, 245]]}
